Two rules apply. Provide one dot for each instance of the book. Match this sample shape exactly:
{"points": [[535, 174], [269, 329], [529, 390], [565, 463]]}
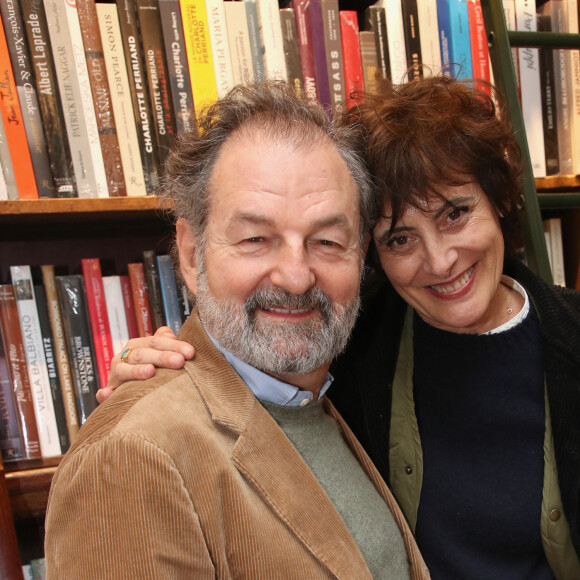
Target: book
{"points": [[101, 93], [461, 66], [27, 95], [412, 34], [10, 442], [353, 71], [369, 60], [51, 367], [307, 63], [61, 353], [573, 17], [153, 282], [35, 360], [14, 126], [19, 379], [291, 48], [429, 33], [116, 312], [116, 69], [256, 45], [199, 54], [71, 293], [374, 19], [396, 41], [76, 99], [48, 95], [222, 62], [546, 62], [530, 93], [177, 66], [553, 228], [271, 37], [130, 314], [171, 306], [334, 57], [444, 26], [157, 75], [8, 179], [140, 298], [139, 92], [98, 317], [239, 41], [478, 36], [319, 51]]}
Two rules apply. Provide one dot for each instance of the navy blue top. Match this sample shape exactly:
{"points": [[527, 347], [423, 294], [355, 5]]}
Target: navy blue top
{"points": [[481, 414]]}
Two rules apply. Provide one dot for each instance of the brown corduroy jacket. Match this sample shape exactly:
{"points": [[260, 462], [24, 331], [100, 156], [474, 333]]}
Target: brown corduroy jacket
{"points": [[187, 476]]}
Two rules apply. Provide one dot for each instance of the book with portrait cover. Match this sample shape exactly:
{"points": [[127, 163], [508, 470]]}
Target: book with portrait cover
{"points": [[18, 372], [75, 317]]}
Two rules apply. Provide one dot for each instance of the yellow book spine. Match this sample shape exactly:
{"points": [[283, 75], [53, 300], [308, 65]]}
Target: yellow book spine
{"points": [[199, 54]]}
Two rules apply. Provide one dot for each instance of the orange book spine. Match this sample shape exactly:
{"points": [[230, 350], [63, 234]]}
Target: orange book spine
{"points": [[140, 299]]}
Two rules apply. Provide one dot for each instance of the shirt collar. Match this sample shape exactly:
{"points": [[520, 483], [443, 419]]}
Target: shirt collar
{"points": [[267, 388]]}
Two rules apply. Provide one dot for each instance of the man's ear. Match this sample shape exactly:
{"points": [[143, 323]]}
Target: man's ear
{"points": [[186, 246]]}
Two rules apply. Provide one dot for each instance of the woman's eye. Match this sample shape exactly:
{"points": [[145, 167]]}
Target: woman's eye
{"points": [[397, 241], [456, 213]]}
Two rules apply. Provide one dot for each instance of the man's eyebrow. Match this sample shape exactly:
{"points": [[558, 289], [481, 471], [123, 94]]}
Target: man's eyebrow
{"points": [[254, 218]]}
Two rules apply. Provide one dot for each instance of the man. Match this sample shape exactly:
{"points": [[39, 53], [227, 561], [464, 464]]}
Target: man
{"points": [[244, 469]]}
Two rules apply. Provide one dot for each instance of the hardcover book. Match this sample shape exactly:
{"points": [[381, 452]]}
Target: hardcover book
{"points": [[140, 298], [374, 19], [412, 38], [291, 48], [10, 442], [307, 63], [171, 305], [153, 289], [353, 72]]}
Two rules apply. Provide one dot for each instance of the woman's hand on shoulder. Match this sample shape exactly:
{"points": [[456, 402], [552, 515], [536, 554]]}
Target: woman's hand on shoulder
{"points": [[141, 357]]}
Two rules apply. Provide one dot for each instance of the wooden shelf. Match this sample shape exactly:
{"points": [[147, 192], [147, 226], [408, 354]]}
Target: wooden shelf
{"points": [[558, 182]]}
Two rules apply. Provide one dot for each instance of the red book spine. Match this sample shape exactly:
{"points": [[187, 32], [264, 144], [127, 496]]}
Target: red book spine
{"points": [[140, 299], [130, 313], [307, 63], [353, 71], [478, 36], [98, 317]]}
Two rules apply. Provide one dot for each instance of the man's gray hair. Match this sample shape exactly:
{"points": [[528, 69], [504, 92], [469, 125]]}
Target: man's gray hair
{"points": [[272, 108]]}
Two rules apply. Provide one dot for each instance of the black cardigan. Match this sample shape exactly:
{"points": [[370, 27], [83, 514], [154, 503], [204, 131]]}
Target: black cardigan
{"points": [[364, 375]]}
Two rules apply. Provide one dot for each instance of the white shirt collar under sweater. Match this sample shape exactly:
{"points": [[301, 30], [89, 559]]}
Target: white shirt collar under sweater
{"points": [[521, 314]]}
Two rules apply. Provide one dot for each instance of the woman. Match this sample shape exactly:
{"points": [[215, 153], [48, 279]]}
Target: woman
{"points": [[468, 398]]}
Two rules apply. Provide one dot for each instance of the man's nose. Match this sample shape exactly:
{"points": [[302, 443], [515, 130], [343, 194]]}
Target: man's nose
{"points": [[293, 271]]}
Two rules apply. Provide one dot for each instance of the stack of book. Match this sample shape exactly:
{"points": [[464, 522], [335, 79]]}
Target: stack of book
{"points": [[59, 335]]}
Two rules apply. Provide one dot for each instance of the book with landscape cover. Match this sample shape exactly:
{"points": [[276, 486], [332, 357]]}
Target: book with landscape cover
{"points": [[153, 289], [75, 316], [61, 351], [239, 41], [19, 379], [10, 441], [307, 64], [291, 48], [140, 298], [334, 58], [128, 22], [374, 19], [353, 72], [27, 95], [412, 38], [48, 95], [36, 360]]}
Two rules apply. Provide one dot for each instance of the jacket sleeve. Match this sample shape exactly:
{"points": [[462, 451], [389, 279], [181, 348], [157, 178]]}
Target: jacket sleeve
{"points": [[118, 508]]}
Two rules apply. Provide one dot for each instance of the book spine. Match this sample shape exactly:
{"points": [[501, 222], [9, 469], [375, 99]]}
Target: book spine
{"points": [[6, 163], [291, 48], [396, 40], [61, 354], [140, 299], [35, 360], [153, 289], [128, 22], [171, 305], [256, 45], [353, 72], [71, 293], [130, 314], [77, 101], [374, 19], [530, 83], [19, 380], [412, 38], [98, 316], [10, 442], [307, 64], [3, 188], [573, 10], [199, 54], [222, 62], [271, 34], [157, 74], [460, 41], [334, 58], [116, 312], [319, 50], [120, 99], [429, 27], [239, 41], [369, 60], [177, 66], [49, 355], [478, 36], [101, 93], [26, 89], [444, 25], [48, 96], [14, 126]]}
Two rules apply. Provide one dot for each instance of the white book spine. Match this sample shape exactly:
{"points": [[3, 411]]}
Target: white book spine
{"points": [[77, 101], [396, 40], [116, 312], [239, 41], [428, 29], [35, 360], [121, 99], [220, 47], [531, 95], [271, 33], [573, 27], [557, 251], [7, 170]]}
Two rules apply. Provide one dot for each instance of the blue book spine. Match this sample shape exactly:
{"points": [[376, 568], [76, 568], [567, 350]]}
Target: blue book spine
{"points": [[171, 304], [460, 40], [444, 24]]}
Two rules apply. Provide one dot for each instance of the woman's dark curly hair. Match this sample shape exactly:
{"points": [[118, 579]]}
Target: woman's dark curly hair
{"points": [[435, 132]]}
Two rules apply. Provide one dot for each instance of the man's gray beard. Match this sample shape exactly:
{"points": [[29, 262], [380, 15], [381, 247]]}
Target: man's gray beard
{"points": [[278, 347]]}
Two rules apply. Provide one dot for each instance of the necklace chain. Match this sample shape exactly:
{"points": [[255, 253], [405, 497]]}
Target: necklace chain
{"points": [[509, 309]]}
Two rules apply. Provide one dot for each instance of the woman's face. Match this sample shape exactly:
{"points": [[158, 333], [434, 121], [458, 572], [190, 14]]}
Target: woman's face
{"points": [[446, 259]]}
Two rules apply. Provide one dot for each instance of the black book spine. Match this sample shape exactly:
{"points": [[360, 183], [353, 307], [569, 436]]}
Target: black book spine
{"points": [[154, 289], [412, 38]]}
